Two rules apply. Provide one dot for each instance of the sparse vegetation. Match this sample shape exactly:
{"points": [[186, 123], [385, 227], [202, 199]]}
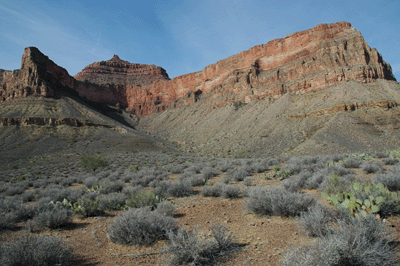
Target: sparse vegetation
{"points": [[140, 227], [92, 162], [31, 250], [358, 241]]}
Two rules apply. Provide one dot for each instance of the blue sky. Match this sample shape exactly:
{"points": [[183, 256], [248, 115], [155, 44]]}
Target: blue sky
{"points": [[180, 36]]}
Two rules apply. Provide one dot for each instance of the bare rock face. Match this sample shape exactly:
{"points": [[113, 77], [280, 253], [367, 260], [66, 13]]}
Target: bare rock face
{"points": [[305, 61], [107, 81], [120, 72], [38, 76]]}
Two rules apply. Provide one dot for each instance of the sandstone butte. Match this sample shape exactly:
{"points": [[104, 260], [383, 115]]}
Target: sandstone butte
{"points": [[301, 62]]}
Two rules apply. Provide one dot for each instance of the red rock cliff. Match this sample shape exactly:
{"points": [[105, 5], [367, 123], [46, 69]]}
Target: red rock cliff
{"points": [[38, 76], [113, 77], [304, 61]]}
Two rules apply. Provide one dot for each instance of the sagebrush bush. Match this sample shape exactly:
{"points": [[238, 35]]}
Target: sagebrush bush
{"points": [[230, 192], [278, 201], [316, 220], [187, 247], [352, 162], [112, 201], [165, 208], [208, 173], [31, 250], [371, 167], [389, 180], [52, 215], [296, 182], [213, 191], [140, 227], [358, 241], [180, 189], [110, 187]]}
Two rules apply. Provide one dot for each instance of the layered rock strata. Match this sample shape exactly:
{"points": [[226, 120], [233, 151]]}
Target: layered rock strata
{"points": [[109, 81], [305, 61]]}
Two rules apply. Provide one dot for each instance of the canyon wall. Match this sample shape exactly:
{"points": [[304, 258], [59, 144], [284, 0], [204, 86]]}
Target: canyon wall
{"points": [[304, 61], [301, 62]]}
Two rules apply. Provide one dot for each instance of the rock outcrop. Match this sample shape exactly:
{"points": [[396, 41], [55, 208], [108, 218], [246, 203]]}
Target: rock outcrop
{"points": [[38, 76], [301, 62], [108, 81]]}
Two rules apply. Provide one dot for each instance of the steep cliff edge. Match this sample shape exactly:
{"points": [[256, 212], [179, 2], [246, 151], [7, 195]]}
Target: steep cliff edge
{"points": [[301, 62]]}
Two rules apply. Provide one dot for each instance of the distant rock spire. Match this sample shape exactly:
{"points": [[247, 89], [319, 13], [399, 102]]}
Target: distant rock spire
{"points": [[115, 58]]}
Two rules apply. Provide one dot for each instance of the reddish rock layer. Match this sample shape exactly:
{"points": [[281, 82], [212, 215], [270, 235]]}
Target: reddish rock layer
{"points": [[304, 61], [301, 62], [38, 76], [107, 81]]}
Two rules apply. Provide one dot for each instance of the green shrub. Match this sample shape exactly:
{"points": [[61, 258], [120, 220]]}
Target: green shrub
{"points": [[365, 199], [87, 207], [92, 162], [143, 199]]}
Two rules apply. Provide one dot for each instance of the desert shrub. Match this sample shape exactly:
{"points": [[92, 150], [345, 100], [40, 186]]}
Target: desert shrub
{"points": [[390, 161], [92, 162], [381, 154], [225, 166], [213, 191], [209, 173], [196, 181], [261, 166], [91, 182], [187, 247], [28, 196], [13, 190], [57, 193], [371, 167], [13, 210], [110, 187], [52, 216], [196, 168], [165, 208], [238, 174], [146, 176], [131, 190], [178, 169], [143, 199], [390, 180], [352, 162], [180, 189], [231, 192], [337, 184], [361, 241], [87, 207], [296, 182], [7, 220], [140, 227], [316, 179], [316, 220], [278, 201], [112, 201], [247, 181], [30, 250]]}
